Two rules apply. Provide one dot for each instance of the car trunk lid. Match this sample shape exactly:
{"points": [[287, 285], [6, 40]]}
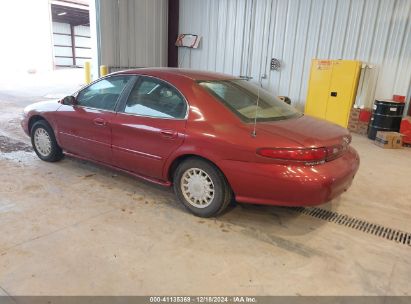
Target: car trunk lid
{"points": [[307, 132]]}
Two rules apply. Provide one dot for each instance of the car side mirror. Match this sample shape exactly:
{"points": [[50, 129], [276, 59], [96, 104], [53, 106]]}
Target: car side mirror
{"points": [[69, 100]]}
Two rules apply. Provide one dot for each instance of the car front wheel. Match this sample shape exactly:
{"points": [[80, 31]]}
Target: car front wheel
{"points": [[201, 187], [44, 143]]}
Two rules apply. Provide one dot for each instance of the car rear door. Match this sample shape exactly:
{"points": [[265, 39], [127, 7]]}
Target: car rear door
{"points": [[85, 129], [148, 127]]}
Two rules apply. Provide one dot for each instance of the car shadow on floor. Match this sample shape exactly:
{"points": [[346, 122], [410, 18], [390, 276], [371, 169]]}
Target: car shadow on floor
{"points": [[253, 219], [274, 217]]}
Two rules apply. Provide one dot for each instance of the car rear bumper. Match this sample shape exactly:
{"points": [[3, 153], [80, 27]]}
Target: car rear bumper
{"points": [[291, 185]]}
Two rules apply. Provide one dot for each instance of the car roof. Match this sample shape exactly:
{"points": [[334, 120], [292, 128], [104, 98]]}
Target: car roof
{"points": [[194, 75]]}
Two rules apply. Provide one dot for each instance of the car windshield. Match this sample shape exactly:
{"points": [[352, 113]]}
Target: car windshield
{"points": [[240, 96]]}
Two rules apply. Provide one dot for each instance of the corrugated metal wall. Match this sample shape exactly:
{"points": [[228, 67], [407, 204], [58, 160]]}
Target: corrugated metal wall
{"points": [[241, 36], [132, 33]]}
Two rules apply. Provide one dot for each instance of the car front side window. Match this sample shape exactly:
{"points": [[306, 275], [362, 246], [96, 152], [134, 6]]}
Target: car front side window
{"points": [[103, 94], [155, 98]]}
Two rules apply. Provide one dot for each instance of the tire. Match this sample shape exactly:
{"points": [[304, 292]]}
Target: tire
{"points": [[44, 142], [193, 179]]}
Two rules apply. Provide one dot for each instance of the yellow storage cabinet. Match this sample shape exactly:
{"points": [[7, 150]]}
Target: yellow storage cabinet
{"points": [[332, 89]]}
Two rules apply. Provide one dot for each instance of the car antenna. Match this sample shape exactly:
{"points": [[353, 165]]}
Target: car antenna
{"points": [[254, 132]]}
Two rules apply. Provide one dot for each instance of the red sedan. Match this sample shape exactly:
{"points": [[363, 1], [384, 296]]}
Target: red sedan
{"points": [[214, 137]]}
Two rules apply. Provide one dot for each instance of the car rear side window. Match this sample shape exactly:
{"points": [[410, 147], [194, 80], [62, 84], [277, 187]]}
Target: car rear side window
{"points": [[104, 93], [155, 98], [240, 96]]}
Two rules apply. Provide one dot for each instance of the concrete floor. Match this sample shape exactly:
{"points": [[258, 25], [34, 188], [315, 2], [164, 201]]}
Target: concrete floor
{"points": [[73, 228]]}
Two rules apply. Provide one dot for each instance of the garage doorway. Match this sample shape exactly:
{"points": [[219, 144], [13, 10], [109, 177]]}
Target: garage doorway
{"points": [[71, 33]]}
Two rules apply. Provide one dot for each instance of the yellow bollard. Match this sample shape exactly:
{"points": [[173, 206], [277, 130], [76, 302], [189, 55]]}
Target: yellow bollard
{"points": [[103, 70], [87, 72]]}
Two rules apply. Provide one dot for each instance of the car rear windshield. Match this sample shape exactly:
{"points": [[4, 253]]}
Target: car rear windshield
{"points": [[240, 96]]}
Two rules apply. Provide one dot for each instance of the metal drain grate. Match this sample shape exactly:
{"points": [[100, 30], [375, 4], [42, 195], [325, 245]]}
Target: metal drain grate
{"points": [[357, 224]]}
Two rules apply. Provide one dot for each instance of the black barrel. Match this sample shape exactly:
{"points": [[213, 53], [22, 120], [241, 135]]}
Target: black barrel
{"points": [[386, 116]]}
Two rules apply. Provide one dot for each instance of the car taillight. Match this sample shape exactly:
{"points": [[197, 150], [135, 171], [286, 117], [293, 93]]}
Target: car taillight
{"points": [[336, 151], [309, 156]]}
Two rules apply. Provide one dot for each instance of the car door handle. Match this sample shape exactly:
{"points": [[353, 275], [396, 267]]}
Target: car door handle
{"points": [[169, 133], [99, 122]]}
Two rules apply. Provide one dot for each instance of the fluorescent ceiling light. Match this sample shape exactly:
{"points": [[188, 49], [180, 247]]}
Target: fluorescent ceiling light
{"points": [[61, 14]]}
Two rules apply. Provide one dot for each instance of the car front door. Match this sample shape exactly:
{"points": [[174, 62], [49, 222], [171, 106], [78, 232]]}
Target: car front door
{"points": [[85, 128], [149, 126]]}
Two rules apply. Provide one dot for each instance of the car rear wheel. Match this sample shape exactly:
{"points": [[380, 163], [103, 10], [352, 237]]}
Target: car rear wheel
{"points": [[44, 142], [201, 187]]}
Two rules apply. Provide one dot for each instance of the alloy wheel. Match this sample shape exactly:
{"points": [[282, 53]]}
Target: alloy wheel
{"points": [[42, 142], [197, 187]]}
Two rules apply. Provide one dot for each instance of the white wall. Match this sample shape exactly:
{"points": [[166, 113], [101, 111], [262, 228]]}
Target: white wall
{"points": [[132, 33], [25, 35], [241, 36]]}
